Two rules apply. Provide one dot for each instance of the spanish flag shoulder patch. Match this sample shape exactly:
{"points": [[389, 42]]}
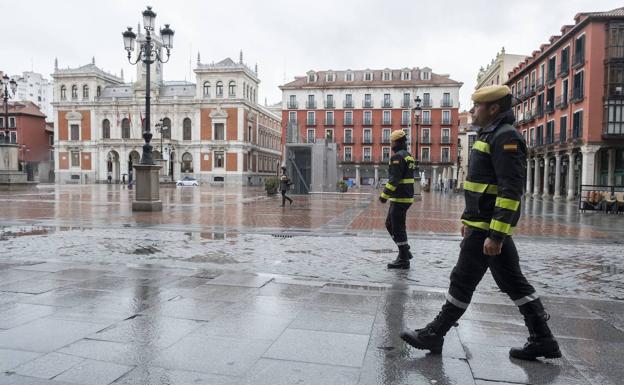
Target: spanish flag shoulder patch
{"points": [[510, 147]]}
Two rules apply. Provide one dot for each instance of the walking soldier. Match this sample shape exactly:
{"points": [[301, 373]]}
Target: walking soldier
{"points": [[493, 189], [400, 192]]}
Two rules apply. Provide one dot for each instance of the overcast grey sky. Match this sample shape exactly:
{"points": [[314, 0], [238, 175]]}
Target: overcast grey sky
{"points": [[288, 38]]}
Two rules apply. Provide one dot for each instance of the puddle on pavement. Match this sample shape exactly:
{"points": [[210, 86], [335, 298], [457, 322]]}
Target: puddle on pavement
{"points": [[14, 232], [218, 258]]}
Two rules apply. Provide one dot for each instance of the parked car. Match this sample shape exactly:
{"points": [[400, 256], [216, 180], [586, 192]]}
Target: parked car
{"points": [[187, 181]]}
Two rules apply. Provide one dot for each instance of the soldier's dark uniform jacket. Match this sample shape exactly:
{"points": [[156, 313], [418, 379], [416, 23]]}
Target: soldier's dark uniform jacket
{"points": [[493, 187], [400, 186]]}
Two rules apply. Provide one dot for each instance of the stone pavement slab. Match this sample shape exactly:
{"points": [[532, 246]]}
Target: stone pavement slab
{"points": [[183, 325]]}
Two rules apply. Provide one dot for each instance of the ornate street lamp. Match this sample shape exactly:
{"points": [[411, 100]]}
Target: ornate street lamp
{"points": [[148, 54], [9, 90], [147, 193], [417, 111]]}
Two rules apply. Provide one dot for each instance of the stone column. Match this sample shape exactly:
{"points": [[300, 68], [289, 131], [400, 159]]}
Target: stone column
{"points": [[536, 177], [557, 176], [546, 192], [529, 175], [588, 175], [434, 178], [571, 187], [376, 175], [611, 175], [357, 175]]}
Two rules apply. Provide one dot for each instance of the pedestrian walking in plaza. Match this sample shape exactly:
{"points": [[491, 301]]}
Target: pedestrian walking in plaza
{"points": [[400, 192], [285, 184], [493, 189]]}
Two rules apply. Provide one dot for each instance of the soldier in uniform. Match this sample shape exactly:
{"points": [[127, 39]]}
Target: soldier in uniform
{"points": [[400, 192], [493, 189]]}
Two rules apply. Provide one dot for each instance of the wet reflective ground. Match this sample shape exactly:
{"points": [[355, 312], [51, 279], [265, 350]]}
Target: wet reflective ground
{"points": [[226, 287], [138, 324], [249, 209]]}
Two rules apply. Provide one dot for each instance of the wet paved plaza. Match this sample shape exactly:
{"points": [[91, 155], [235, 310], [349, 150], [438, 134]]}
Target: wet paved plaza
{"points": [[226, 287]]}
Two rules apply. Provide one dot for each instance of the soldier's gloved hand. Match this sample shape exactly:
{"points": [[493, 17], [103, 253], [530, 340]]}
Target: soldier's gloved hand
{"points": [[382, 200]]}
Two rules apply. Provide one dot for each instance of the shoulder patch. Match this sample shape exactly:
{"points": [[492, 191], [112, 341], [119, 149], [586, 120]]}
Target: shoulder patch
{"points": [[513, 147], [396, 162]]}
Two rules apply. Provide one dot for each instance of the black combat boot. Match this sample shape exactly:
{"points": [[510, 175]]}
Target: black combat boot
{"points": [[402, 260], [431, 337], [540, 343]]}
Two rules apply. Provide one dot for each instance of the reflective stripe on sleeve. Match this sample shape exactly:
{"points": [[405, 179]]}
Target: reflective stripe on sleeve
{"points": [[390, 187], [384, 195], [501, 227], [406, 181], [481, 146], [478, 225], [402, 200], [456, 302], [525, 300], [506, 203]]}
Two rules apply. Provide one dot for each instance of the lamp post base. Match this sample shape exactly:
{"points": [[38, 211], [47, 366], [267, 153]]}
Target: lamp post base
{"points": [[147, 188]]}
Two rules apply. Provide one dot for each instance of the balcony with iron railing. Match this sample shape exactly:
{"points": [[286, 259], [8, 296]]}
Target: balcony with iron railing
{"points": [[330, 122], [330, 104], [426, 103], [386, 121], [539, 112], [550, 107], [539, 84], [551, 77], [292, 105], [562, 135], [347, 159], [445, 159], [405, 121], [426, 122], [367, 140], [311, 122], [446, 103], [446, 121], [367, 104], [446, 140], [406, 103], [576, 95], [577, 132], [385, 140], [387, 104], [426, 140], [385, 159], [368, 121], [367, 159], [347, 104], [578, 60], [561, 101], [615, 52], [311, 104], [348, 122]]}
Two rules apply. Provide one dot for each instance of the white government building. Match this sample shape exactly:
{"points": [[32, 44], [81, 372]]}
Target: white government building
{"points": [[218, 131]]}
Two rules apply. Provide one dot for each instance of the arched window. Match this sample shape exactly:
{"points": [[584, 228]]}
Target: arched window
{"points": [[253, 99], [166, 128], [244, 90], [105, 129], [74, 92], [219, 89], [207, 89], [63, 92], [125, 128], [98, 91], [187, 162], [85, 92], [186, 129], [232, 89]]}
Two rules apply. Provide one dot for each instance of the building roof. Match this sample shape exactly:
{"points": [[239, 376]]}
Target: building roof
{"points": [[228, 64], [566, 31], [25, 108], [358, 79], [87, 69]]}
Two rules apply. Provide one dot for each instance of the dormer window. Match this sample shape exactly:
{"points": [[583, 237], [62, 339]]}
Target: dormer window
{"points": [[406, 75], [368, 76], [330, 77], [425, 75], [387, 76], [311, 77], [349, 76]]}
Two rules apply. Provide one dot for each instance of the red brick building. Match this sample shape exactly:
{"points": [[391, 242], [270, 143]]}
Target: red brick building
{"points": [[359, 109], [28, 129], [569, 106]]}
